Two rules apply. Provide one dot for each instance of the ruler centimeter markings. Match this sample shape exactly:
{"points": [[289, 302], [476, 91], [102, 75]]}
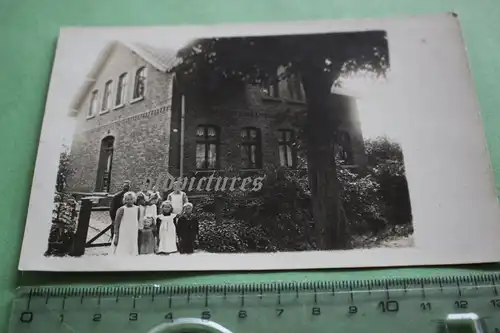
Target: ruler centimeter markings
{"points": [[392, 304]]}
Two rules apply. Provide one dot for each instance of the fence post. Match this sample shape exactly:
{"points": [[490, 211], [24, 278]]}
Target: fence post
{"points": [[82, 227]]}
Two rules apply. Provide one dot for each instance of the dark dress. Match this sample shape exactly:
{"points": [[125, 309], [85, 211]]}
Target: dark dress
{"points": [[116, 203], [187, 230], [147, 240]]}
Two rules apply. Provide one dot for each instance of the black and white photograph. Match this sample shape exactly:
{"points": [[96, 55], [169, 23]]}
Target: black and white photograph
{"points": [[261, 146]]}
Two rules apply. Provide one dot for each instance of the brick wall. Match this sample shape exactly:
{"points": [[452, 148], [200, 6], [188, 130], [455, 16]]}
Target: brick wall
{"points": [[246, 108], [147, 132], [249, 108], [141, 128]]}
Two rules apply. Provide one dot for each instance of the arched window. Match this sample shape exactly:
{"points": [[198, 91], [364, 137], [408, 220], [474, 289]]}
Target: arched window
{"points": [[104, 165], [121, 89], [270, 88], [140, 83], [106, 98], [207, 147], [294, 86], [93, 104], [250, 148]]}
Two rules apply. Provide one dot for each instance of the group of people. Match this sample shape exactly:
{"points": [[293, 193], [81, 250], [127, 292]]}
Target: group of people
{"points": [[142, 223]]}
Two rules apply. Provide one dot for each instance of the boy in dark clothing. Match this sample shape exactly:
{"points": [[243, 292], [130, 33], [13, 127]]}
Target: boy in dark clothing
{"points": [[186, 225]]}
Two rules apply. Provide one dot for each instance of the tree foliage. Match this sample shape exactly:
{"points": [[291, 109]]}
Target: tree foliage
{"points": [[64, 212], [63, 228], [64, 170], [256, 59]]}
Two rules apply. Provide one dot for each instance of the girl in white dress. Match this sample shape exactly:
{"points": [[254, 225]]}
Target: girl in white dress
{"points": [[125, 240], [178, 198], [151, 206], [167, 236]]}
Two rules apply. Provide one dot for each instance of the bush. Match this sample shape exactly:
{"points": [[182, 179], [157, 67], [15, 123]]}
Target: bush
{"points": [[279, 216], [362, 202], [273, 219], [64, 171], [231, 236], [64, 220]]}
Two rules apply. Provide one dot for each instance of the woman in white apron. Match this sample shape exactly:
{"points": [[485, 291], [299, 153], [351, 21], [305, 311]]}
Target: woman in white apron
{"points": [[125, 240], [178, 198], [167, 236]]}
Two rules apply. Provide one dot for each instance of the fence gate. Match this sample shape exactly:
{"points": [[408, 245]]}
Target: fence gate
{"points": [[82, 229]]}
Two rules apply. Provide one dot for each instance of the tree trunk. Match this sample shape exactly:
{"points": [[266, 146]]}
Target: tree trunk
{"points": [[321, 127]]}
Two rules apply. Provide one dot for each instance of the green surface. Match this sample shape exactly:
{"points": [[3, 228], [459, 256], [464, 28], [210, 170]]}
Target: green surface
{"points": [[28, 31]]}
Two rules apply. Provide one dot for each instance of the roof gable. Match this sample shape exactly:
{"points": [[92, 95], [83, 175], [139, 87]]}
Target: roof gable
{"points": [[161, 59]]}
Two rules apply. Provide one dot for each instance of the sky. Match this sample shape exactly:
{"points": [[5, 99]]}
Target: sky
{"points": [[77, 54]]}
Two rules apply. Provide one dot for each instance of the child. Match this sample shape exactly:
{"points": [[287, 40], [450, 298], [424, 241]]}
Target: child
{"points": [[125, 240], [166, 229], [178, 198], [147, 238], [141, 203], [187, 229], [151, 208]]}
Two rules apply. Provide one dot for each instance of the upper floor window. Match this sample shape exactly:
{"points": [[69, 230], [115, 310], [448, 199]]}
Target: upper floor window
{"points": [[207, 147], [285, 147], [295, 88], [270, 88], [139, 83], [251, 148], [93, 103], [106, 98], [121, 89]]}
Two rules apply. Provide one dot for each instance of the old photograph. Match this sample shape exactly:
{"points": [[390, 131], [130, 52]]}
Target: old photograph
{"points": [[180, 148]]}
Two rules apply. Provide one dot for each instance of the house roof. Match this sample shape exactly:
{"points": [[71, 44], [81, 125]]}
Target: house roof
{"points": [[345, 92], [161, 59]]}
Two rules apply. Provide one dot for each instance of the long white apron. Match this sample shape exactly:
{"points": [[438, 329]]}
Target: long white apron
{"points": [[128, 233], [167, 234]]}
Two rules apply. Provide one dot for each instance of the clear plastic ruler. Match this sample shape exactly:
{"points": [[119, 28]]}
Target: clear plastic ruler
{"points": [[428, 304]]}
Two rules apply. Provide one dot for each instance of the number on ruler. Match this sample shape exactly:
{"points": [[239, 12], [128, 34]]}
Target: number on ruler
{"points": [[97, 317], [495, 303], [133, 316], [169, 317], [425, 306], [26, 317], [205, 315], [389, 306], [279, 312], [242, 314], [316, 311], [353, 309], [461, 304], [61, 317]]}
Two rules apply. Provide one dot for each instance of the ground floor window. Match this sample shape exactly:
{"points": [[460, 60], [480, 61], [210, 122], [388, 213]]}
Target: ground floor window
{"points": [[250, 148], [285, 148], [207, 147]]}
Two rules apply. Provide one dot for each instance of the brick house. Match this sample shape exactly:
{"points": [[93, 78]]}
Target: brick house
{"points": [[132, 123]]}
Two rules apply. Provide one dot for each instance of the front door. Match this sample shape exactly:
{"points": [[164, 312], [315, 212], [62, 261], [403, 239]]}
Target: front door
{"points": [[105, 165]]}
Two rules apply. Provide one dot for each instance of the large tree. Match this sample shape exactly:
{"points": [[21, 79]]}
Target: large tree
{"points": [[318, 60]]}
